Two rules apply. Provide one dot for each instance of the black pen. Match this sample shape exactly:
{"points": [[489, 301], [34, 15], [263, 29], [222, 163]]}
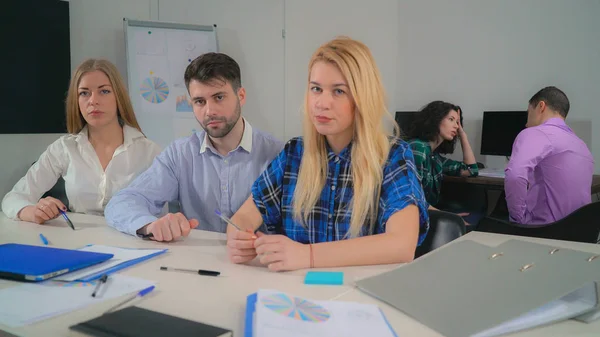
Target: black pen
{"points": [[102, 280], [199, 271]]}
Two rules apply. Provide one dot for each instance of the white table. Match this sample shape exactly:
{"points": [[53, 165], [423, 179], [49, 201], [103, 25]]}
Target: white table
{"points": [[221, 300]]}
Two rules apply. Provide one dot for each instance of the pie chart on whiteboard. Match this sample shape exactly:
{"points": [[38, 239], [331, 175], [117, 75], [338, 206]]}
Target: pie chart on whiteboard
{"points": [[154, 89]]}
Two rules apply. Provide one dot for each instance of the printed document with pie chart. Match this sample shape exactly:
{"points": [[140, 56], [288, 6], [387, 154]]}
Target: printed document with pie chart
{"points": [[281, 314]]}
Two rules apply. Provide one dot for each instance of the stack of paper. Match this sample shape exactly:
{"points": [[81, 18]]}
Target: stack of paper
{"points": [[492, 173], [33, 302]]}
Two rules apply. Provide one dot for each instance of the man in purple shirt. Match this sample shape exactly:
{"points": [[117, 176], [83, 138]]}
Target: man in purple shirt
{"points": [[550, 171]]}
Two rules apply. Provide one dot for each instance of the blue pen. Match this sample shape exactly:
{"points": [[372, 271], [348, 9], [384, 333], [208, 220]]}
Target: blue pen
{"points": [[64, 214], [43, 238], [142, 293], [226, 219]]}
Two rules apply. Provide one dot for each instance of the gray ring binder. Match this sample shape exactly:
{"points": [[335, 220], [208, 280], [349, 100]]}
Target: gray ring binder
{"points": [[493, 298]]}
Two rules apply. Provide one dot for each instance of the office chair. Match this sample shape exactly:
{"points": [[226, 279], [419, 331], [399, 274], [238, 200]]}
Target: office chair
{"points": [[58, 192], [443, 228], [582, 225]]}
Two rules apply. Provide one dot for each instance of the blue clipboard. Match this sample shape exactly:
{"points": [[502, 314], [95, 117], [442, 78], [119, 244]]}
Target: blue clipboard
{"points": [[251, 309], [121, 266]]}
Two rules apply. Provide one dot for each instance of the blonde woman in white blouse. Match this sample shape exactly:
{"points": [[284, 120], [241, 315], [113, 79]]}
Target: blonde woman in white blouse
{"points": [[103, 152]]}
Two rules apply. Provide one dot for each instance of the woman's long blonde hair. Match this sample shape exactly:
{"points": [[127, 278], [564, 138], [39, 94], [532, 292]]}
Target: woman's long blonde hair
{"points": [[75, 120], [370, 144]]}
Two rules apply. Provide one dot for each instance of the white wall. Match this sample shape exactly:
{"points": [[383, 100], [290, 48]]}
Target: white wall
{"points": [[97, 28], [494, 55], [18, 152], [480, 54]]}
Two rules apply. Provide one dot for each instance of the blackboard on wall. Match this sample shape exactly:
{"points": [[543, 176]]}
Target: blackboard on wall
{"points": [[36, 63]]}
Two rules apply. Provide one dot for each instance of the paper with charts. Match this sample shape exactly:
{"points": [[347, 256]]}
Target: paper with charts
{"points": [[279, 314], [157, 58], [32, 302]]}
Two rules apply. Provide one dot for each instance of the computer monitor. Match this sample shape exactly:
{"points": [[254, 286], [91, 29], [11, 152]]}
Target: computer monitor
{"points": [[499, 130], [404, 120]]}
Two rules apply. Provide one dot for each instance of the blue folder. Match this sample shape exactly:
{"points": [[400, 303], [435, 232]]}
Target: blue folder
{"points": [[38, 263]]}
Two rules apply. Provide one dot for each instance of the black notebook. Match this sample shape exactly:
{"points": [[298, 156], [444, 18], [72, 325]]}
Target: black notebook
{"points": [[134, 321]]}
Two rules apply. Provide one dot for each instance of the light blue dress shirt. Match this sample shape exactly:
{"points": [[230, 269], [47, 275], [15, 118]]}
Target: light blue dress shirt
{"points": [[192, 172]]}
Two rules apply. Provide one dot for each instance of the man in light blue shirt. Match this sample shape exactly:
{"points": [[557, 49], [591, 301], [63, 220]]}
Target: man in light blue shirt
{"points": [[210, 170]]}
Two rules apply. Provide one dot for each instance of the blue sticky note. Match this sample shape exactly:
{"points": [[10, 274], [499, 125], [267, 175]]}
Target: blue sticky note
{"points": [[324, 277]]}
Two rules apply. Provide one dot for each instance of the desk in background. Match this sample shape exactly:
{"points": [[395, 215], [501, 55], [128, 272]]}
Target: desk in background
{"points": [[221, 300], [494, 204], [494, 183]]}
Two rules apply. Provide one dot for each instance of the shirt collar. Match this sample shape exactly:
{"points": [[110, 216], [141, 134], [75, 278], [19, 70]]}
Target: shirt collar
{"points": [[129, 135], [344, 154], [555, 121], [245, 143]]}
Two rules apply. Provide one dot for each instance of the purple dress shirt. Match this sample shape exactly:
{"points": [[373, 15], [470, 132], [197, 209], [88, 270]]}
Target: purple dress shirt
{"points": [[549, 174]]}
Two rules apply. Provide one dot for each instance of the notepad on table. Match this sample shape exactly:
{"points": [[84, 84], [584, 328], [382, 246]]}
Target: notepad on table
{"points": [[270, 313], [134, 321], [123, 257], [32, 302]]}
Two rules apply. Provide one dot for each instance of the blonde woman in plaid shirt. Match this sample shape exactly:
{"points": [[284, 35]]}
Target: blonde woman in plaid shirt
{"points": [[346, 193]]}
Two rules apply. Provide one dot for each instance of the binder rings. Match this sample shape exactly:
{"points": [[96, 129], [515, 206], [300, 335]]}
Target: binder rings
{"points": [[470, 289]]}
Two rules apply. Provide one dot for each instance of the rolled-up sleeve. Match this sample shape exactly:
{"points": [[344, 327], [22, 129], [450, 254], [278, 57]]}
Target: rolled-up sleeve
{"points": [[454, 168], [401, 188]]}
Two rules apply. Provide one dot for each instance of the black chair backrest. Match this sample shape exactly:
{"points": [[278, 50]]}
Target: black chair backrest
{"points": [[58, 192], [443, 228], [583, 225]]}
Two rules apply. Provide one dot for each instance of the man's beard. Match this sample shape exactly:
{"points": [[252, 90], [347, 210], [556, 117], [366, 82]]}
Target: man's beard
{"points": [[228, 124]]}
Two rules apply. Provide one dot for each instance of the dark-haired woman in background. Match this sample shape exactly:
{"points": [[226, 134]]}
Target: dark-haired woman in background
{"points": [[434, 132]]}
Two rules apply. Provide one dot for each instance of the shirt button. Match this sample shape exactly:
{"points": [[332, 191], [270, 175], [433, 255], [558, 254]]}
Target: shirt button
{"points": [[337, 159], [333, 188], [330, 216], [224, 188], [225, 161]]}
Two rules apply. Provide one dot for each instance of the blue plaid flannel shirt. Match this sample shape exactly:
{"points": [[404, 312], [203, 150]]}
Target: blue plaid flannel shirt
{"points": [[329, 219]]}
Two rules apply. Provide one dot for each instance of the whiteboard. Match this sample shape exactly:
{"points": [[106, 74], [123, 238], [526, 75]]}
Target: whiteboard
{"points": [[157, 54]]}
